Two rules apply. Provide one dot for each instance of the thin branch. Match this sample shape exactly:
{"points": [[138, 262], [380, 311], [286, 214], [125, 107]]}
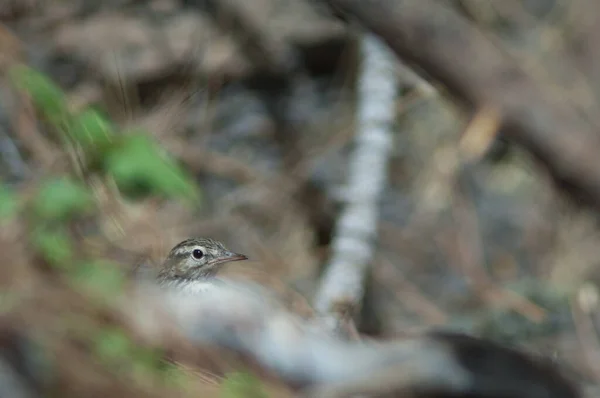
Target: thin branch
{"points": [[342, 285]]}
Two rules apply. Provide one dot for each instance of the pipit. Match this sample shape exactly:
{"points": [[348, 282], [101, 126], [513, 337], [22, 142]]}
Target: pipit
{"points": [[191, 265], [191, 268]]}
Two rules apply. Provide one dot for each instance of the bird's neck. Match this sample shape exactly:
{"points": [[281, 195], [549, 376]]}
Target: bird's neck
{"points": [[190, 286]]}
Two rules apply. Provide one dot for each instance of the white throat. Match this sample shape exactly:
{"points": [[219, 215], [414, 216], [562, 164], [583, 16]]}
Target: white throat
{"points": [[191, 287]]}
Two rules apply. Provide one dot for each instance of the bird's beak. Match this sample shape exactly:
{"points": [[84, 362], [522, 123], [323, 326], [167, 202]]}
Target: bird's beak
{"points": [[230, 256], [237, 257]]}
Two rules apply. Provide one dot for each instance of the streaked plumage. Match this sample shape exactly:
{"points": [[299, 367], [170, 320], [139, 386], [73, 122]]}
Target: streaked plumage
{"points": [[192, 264]]}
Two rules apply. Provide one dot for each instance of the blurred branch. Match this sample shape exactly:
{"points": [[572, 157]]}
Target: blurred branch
{"points": [[246, 320], [445, 45], [342, 285]]}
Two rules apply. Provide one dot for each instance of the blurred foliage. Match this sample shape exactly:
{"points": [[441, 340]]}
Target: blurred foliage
{"points": [[92, 131], [48, 98], [112, 346], [135, 162], [60, 199], [9, 203], [54, 245], [118, 351], [99, 278], [60, 212], [140, 168], [240, 384]]}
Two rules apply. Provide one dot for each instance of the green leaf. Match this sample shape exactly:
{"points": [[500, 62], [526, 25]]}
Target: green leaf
{"points": [[54, 245], [92, 131], [9, 203], [140, 167], [239, 384], [62, 198], [46, 95]]}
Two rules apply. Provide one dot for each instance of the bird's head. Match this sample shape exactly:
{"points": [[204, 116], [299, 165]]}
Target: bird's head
{"points": [[197, 258]]}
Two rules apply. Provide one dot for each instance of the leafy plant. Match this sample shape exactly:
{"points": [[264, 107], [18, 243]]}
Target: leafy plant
{"points": [[135, 162], [45, 94], [138, 166], [92, 132]]}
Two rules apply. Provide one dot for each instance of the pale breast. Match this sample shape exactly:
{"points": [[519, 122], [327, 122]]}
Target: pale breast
{"points": [[189, 287]]}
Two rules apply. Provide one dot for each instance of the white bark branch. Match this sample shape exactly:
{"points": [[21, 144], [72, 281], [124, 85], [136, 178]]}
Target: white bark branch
{"points": [[252, 323], [255, 325], [342, 285]]}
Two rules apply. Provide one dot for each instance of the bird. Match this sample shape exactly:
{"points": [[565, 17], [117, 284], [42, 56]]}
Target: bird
{"points": [[191, 266]]}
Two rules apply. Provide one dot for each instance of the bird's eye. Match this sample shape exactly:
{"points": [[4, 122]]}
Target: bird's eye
{"points": [[197, 254]]}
